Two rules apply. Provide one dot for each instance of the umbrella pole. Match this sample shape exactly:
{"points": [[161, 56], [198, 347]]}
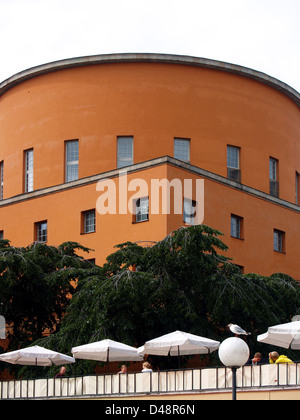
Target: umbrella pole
{"points": [[178, 358], [108, 360]]}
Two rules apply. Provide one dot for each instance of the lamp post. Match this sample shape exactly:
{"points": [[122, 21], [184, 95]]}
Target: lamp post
{"points": [[234, 353]]}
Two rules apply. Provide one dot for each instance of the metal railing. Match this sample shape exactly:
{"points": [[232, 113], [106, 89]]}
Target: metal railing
{"points": [[161, 382]]}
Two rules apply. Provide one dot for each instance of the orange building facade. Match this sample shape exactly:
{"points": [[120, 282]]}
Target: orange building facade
{"points": [[69, 129]]}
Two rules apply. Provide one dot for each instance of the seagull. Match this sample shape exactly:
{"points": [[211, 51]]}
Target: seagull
{"points": [[237, 330]]}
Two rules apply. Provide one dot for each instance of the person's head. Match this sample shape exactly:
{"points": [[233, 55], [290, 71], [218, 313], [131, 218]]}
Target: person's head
{"points": [[62, 370], [123, 369], [146, 365], [274, 356], [257, 357]]}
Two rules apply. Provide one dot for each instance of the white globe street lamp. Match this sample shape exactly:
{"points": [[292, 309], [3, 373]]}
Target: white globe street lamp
{"points": [[234, 353]]}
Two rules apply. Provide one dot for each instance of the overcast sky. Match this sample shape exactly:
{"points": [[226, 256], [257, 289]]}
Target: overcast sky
{"points": [[261, 34]]}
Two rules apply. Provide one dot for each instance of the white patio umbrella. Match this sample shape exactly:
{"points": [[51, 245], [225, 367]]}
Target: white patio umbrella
{"points": [[107, 351], [36, 356], [283, 335], [179, 343]]}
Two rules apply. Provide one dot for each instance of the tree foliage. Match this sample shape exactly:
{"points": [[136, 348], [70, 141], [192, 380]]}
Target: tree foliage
{"points": [[36, 284], [183, 282]]}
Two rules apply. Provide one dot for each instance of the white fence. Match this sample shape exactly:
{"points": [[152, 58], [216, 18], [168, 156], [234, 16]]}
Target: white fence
{"points": [[161, 382]]}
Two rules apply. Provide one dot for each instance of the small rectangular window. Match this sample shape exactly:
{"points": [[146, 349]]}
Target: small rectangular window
{"points": [[124, 151], [297, 192], [274, 178], [41, 231], [141, 210], [1, 234], [236, 226], [279, 241], [233, 157], [241, 268], [88, 221], [72, 160], [273, 166], [189, 211], [1, 179], [233, 163], [28, 170], [182, 149]]}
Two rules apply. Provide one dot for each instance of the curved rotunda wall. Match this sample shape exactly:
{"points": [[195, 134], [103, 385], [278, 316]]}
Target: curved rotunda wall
{"points": [[155, 100]]}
